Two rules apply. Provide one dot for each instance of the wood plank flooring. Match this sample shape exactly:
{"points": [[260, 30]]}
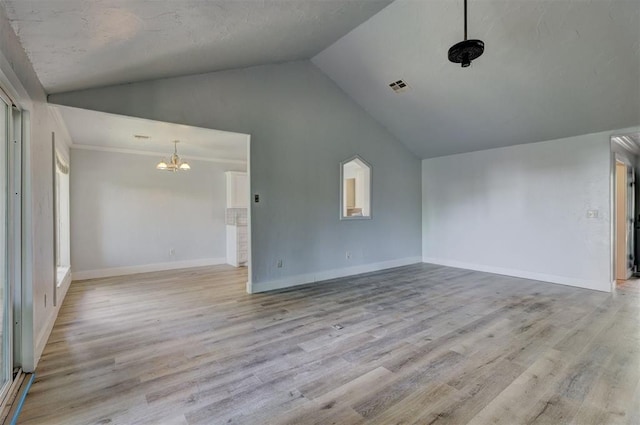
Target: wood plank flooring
{"points": [[421, 344]]}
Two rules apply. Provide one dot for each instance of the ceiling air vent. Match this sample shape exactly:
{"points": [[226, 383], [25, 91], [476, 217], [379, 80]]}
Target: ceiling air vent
{"points": [[398, 86], [141, 137]]}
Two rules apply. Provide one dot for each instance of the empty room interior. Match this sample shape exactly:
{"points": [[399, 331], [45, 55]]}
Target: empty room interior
{"points": [[319, 212]]}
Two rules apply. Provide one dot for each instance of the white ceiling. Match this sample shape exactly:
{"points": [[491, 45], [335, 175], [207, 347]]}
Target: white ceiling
{"points": [[551, 69], [103, 131], [76, 44]]}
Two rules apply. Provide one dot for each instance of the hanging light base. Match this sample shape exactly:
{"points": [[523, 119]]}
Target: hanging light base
{"points": [[466, 51]]}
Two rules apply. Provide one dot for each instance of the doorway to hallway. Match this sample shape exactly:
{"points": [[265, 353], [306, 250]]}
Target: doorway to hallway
{"points": [[625, 159], [624, 207]]}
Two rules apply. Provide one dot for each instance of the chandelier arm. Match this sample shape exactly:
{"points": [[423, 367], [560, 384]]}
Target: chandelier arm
{"points": [[174, 162]]}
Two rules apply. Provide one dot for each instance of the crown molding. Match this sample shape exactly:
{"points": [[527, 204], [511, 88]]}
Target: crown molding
{"points": [[156, 154]]}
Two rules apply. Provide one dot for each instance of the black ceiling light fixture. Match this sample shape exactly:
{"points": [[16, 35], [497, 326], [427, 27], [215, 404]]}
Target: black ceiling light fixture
{"points": [[466, 51]]}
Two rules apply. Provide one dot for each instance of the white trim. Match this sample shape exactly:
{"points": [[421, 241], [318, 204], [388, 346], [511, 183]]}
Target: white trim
{"points": [[624, 159], [65, 137], [45, 332], [156, 154], [370, 180], [12, 85], [303, 279], [612, 212], [28, 327], [249, 286], [144, 268], [67, 275], [562, 280]]}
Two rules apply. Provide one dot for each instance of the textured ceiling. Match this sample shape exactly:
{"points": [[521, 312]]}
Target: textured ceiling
{"points": [[551, 69], [76, 44], [99, 130]]}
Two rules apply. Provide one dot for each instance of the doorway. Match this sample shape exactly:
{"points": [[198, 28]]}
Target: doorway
{"points": [[155, 212], [624, 202]]}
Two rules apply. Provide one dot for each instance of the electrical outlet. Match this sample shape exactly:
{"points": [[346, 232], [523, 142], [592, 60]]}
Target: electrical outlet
{"points": [[279, 264], [592, 213], [348, 255], [172, 251]]}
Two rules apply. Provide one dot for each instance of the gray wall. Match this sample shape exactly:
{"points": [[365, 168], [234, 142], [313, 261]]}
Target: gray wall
{"points": [[126, 213], [302, 125], [522, 211], [19, 79]]}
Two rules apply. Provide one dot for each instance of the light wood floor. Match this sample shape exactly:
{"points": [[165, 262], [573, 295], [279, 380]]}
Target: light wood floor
{"points": [[421, 344]]}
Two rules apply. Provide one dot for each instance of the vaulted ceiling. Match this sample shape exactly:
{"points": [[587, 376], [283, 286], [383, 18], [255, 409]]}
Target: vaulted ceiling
{"points": [[551, 69], [76, 44]]}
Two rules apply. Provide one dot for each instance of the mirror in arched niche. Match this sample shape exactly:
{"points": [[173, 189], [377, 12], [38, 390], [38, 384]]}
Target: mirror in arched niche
{"points": [[355, 189]]}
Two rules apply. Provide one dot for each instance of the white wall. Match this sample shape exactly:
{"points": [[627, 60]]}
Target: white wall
{"points": [[522, 211], [126, 216], [302, 126], [18, 77]]}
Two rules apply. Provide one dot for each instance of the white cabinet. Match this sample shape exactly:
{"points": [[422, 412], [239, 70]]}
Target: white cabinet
{"points": [[236, 218], [237, 189], [237, 245]]}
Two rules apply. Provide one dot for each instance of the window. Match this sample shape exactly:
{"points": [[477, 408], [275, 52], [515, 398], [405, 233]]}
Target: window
{"points": [[61, 217]]}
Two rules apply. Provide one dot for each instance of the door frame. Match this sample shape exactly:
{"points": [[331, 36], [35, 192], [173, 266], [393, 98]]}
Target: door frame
{"points": [[619, 160], [11, 85], [12, 357], [626, 154]]}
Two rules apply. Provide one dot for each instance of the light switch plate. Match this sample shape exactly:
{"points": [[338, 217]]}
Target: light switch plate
{"points": [[592, 213]]}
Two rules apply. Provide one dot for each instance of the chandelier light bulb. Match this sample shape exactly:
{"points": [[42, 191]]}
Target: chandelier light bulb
{"points": [[174, 163]]}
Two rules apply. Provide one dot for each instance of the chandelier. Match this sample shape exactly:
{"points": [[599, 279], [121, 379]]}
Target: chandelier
{"points": [[174, 163]]}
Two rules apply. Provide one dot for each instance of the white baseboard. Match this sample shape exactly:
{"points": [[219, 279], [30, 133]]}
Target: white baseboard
{"points": [[144, 268], [303, 279], [45, 332], [562, 280]]}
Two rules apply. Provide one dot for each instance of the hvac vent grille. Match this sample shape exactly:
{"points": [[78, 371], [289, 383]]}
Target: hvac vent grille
{"points": [[399, 86]]}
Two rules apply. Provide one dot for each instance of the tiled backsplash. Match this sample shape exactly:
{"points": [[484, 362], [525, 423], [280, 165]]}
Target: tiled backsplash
{"points": [[236, 216]]}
